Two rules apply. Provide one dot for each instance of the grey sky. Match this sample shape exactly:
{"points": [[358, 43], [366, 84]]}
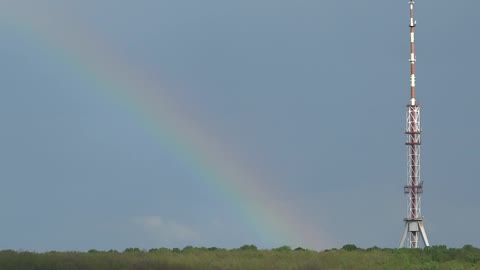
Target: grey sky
{"points": [[311, 94]]}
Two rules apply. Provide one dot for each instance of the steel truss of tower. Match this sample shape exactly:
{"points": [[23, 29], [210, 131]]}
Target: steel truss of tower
{"points": [[414, 226]]}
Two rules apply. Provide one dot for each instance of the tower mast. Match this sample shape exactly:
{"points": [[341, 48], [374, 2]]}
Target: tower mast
{"points": [[414, 227]]}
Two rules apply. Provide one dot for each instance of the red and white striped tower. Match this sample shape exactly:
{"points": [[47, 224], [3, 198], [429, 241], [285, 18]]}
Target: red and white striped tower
{"points": [[414, 227]]}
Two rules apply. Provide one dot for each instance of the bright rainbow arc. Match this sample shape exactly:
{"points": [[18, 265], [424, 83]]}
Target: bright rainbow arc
{"points": [[274, 221]]}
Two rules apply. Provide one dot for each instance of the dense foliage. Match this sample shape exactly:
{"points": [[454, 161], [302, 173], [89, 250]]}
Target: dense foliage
{"points": [[245, 258]]}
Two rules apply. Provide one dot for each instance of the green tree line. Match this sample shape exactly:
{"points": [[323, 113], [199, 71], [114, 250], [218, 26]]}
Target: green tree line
{"points": [[247, 257]]}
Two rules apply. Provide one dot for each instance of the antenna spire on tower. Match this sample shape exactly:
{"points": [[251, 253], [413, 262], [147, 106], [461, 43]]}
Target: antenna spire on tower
{"points": [[413, 59]]}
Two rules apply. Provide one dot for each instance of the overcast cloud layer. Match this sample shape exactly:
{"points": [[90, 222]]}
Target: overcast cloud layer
{"points": [[311, 94]]}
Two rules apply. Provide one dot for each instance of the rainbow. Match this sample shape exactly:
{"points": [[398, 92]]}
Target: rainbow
{"points": [[275, 222]]}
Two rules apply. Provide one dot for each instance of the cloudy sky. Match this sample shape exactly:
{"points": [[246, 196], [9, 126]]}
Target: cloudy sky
{"points": [[222, 123]]}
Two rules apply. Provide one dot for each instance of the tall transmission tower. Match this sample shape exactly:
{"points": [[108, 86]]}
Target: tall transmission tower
{"points": [[414, 227]]}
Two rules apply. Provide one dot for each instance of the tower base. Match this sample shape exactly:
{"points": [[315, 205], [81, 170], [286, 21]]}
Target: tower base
{"points": [[415, 227]]}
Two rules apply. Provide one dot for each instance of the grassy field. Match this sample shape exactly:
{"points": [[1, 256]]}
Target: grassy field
{"points": [[245, 258]]}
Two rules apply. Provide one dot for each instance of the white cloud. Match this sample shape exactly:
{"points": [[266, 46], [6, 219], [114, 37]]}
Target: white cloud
{"points": [[165, 229]]}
